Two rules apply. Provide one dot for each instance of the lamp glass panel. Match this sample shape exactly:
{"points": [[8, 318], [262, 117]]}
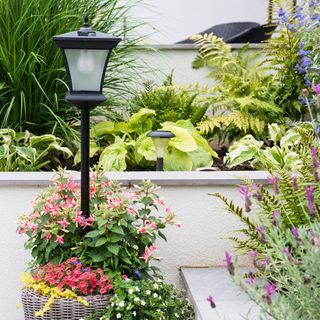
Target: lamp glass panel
{"points": [[86, 68], [160, 145]]}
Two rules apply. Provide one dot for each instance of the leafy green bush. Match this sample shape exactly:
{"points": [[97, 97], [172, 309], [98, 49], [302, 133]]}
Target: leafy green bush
{"points": [[148, 299], [33, 80], [286, 151], [24, 151], [121, 230], [124, 145], [171, 103]]}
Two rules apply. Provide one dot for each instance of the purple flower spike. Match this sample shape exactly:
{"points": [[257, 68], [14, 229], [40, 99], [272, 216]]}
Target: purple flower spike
{"points": [[274, 181], [275, 218], [253, 253], [270, 290], [309, 196], [315, 163], [229, 263], [295, 233], [211, 301], [287, 252], [260, 230], [250, 279], [245, 194], [256, 190], [316, 88]]}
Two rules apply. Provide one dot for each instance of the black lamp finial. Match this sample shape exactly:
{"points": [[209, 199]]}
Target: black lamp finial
{"points": [[86, 21], [86, 29]]}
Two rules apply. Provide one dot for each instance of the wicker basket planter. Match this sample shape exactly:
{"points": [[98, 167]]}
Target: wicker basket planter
{"points": [[61, 309]]}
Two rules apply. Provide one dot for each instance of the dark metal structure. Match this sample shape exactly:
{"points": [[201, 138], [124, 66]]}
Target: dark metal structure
{"points": [[86, 54]]}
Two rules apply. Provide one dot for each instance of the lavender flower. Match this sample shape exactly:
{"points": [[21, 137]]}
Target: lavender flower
{"points": [[299, 69], [245, 194], [260, 230], [287, 252], [316, 88], [270, 290], [256, 190], [295, 233], [315, 163], [275, 218], [211, 301], [250, 279], [309, 196], [275, 182], [229, 263], [253, 253]]}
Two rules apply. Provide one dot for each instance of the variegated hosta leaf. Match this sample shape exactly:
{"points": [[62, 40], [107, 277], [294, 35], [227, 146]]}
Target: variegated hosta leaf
{"points": [[177, 160]]}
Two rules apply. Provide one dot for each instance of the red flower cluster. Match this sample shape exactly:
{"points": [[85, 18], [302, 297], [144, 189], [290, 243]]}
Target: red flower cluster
{"points": [[72, 275]]}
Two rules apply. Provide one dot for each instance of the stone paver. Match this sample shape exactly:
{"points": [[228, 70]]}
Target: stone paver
{"points": [[232, 303]]}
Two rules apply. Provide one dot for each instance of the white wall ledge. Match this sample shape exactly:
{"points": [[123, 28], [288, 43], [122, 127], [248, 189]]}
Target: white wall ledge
{"points": [[132, 177], [191, 46]]}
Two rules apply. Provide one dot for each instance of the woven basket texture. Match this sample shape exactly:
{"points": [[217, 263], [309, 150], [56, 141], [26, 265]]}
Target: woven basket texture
{"points": [[61, 309]]}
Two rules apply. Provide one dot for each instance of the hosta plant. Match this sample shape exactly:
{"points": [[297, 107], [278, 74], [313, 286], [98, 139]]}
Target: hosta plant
{"points": [[23, 151], [125, 145], [120, 232], [148, 299], [287, 148]]}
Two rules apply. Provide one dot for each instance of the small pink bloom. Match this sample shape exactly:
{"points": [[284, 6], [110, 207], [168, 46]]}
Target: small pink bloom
{"points": [[21, 231], [64, 223], [315, 241], [178, 225], [60, 240], [316, 88], [48, 236]]}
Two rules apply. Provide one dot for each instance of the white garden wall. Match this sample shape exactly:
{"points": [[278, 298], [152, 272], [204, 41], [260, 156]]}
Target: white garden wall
{"points": [[201, 241]]}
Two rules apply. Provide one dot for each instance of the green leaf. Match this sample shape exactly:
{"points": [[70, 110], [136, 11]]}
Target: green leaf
{"points": [[113, 157], [92, 234], [102, 128], [29, 154], [140, 122], [117, 229], [183, 140], [177, 160], [113, 248], [145, 147], [101, 241], [200, 158], [291, 138], [114, 237]]}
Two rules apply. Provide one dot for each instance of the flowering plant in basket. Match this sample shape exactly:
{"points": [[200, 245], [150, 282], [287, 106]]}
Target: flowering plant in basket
{"points": [[66, 280], [120, 231]]}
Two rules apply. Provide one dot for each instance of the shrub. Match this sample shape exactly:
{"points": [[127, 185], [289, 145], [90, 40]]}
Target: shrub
{"points": [[148, 299], [170, 103], [120, 232], [125, 145]]}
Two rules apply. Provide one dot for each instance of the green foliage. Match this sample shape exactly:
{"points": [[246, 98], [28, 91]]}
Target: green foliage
{"points": [[120, 232], [295, 195], [125, 146], [242, 98], [148, 299], [24, 151], [287, 150], [33, 80], [294, 269], [170, 102]]}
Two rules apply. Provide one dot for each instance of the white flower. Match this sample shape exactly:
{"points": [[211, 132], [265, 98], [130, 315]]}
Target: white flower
{"points": [[134, 313], [118, 315], [121, 304], [143, 302], [130, 291], [148, 292], [136, 299], [155, 295], [156, 286], [137, 289], [176, 315]]}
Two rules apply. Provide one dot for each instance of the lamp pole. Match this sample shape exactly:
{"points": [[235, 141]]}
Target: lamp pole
{"points": [[86, 54]]}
